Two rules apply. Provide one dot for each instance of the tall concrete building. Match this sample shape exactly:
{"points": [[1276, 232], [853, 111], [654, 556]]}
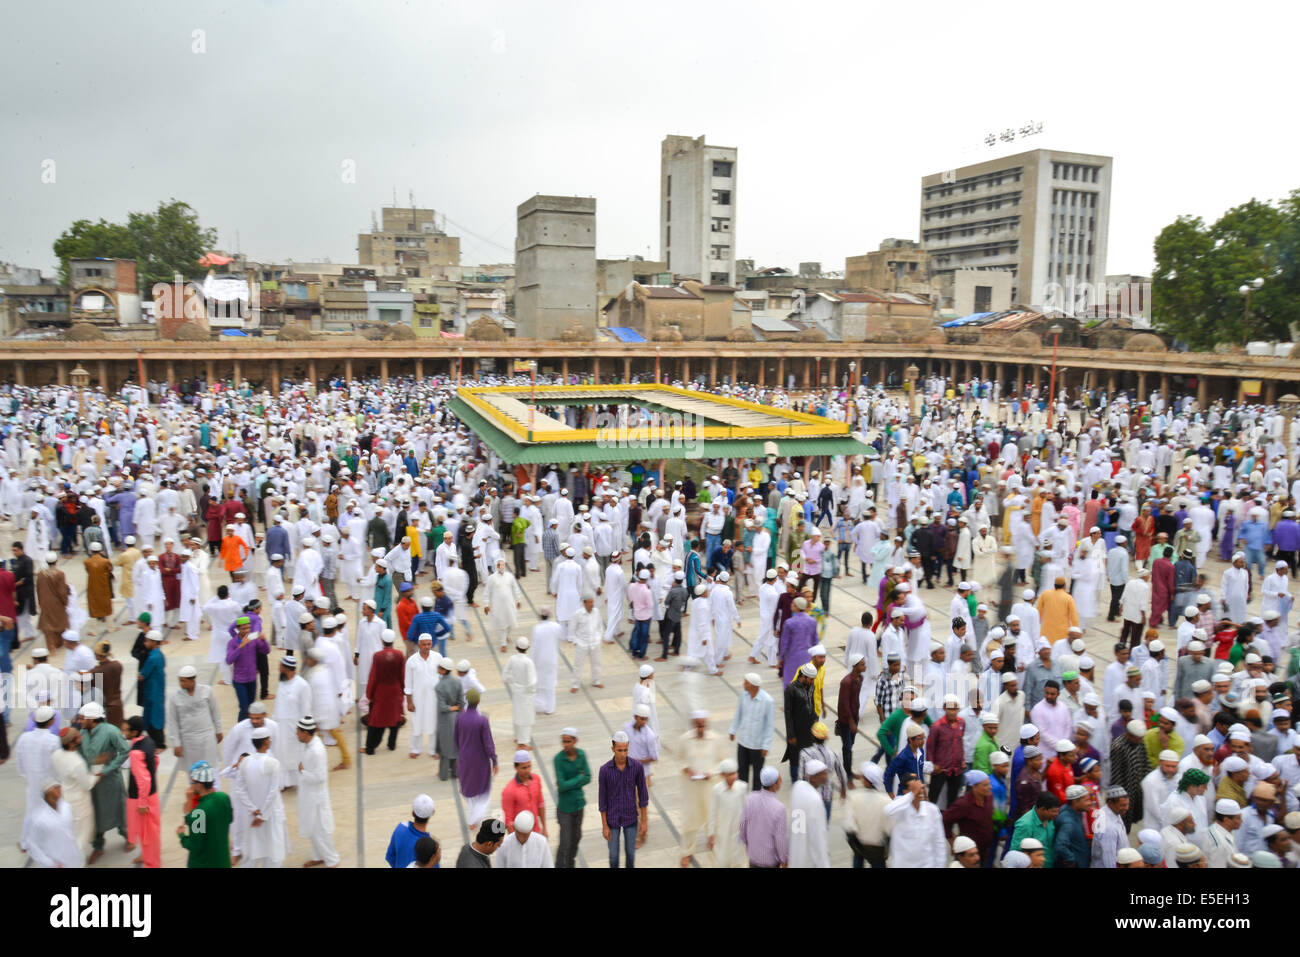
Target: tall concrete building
{"points": [[408, 238], [555, 266], [1043, 216], [697, 209]]}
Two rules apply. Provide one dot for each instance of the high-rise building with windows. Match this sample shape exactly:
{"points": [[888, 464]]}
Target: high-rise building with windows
{"points": [[1043, 216], [697, 210]]}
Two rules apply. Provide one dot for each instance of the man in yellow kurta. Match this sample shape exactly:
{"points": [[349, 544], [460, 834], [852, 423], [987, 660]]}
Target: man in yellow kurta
{"points": [[125, 561], [1036, 519], [1057, 611]]}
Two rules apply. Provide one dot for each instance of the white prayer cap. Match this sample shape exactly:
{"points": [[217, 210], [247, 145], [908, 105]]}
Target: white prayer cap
{"points": [[1027, 594], [815, 650], [376, 553], [153, 635], [92, 710], [808, 670], [328, 622], [700, 714], [962, 844], [522, 643], [912, 729], [188, 671], [1016, 860], [42, 714], [422, 806], [569, 732], [51, 558], [524, 822], [728, 766], [371, 604], [855, 658], [1227, 806], [388, 636], [768, 776], [259, 734], [814, 767], [305, 618], [620, 737], [754, 678], [1136, 728], [645, 671], [642, 711], [1027, 731], [257, 707], [874, 776]]}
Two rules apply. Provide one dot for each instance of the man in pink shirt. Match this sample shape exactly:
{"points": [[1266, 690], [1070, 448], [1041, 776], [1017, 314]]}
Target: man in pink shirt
{"points": [[641, 600], [811, 550]]}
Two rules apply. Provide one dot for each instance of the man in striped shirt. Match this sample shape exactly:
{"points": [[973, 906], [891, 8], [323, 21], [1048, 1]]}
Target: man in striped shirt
{"points": [[623, 802]]}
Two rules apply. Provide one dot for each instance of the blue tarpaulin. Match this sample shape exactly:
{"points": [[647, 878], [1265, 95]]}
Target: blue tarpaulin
{"points": [[234, 332], [624, 334], [974, 317]]}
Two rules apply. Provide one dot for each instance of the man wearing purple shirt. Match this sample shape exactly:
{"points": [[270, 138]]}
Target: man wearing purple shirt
{"points": [[623, 802], [763, 824], [798, 634], [241, 654]]}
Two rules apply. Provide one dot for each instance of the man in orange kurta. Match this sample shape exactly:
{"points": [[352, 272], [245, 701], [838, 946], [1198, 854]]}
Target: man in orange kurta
{"points": [[99, 583], [1057, 611], [233, 550]]}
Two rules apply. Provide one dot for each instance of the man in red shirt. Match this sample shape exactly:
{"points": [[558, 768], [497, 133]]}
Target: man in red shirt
{"points": [[946, 751], [1060, 773], [523, 792]]}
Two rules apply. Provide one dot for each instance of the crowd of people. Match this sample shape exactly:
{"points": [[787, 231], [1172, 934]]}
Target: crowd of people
{"points": [[339, 537]]}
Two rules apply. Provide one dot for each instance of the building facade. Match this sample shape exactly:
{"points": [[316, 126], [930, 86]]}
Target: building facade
{"points": [[1043, 216], [103, 291], [899, 265], [410, 240], [555, 266], [697, 209]]}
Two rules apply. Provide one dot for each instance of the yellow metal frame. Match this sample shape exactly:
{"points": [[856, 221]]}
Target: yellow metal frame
{"points": [[799, 424]]}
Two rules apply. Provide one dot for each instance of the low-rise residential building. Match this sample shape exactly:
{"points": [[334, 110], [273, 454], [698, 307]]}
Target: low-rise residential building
{"points": [[103, 291]]}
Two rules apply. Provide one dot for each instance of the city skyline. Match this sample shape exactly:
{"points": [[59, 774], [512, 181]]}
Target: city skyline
{"points": [[249, 115]]}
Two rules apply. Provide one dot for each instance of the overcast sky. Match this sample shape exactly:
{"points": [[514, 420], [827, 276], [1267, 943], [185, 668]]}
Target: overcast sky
{"points": [[837, 110]]}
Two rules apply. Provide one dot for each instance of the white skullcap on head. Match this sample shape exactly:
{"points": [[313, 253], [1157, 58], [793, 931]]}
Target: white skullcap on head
{"points": [[808, 669], [524, 822], [769, 776], [188, 671], [422, 806], [620, 737], [814, 767], [754, 678]]}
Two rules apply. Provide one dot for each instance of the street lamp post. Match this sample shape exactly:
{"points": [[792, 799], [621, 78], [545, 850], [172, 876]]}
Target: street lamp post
{"points": [[80, 379], [1056, 331], [1246, 289]]}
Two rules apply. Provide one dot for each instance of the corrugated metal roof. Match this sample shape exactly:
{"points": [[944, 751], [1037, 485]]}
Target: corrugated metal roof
{"points": [[669, 292], [774, 324]]}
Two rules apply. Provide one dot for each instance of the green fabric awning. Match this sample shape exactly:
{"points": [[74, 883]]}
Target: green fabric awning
{"points": [[542, 453]]}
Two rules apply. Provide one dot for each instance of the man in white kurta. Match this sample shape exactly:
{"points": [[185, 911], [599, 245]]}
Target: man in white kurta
{"points": [[326, 697], [726, 802], [768, 596], [722, 602], [53, 839], [1234, 587], [546, 638], [33, 756], [293, 700], [370, 633], [189, 614], [421, 680], [525, 847], [615, 597], [501, 600], [808, 829], [266, 841], [566, 586], [315, 815], [585, 631], [520, 678], [917, 838]]}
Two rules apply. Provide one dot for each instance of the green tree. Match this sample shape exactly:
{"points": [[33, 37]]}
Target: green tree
{"points": [[167, 241], [1200, 268]]}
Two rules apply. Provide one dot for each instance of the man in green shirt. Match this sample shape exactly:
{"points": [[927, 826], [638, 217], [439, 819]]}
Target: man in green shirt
{"points": [[1039, 822], [986, 744], [206, 831], [889, 728], [518, 528], [105, 750], [572, 774]]}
